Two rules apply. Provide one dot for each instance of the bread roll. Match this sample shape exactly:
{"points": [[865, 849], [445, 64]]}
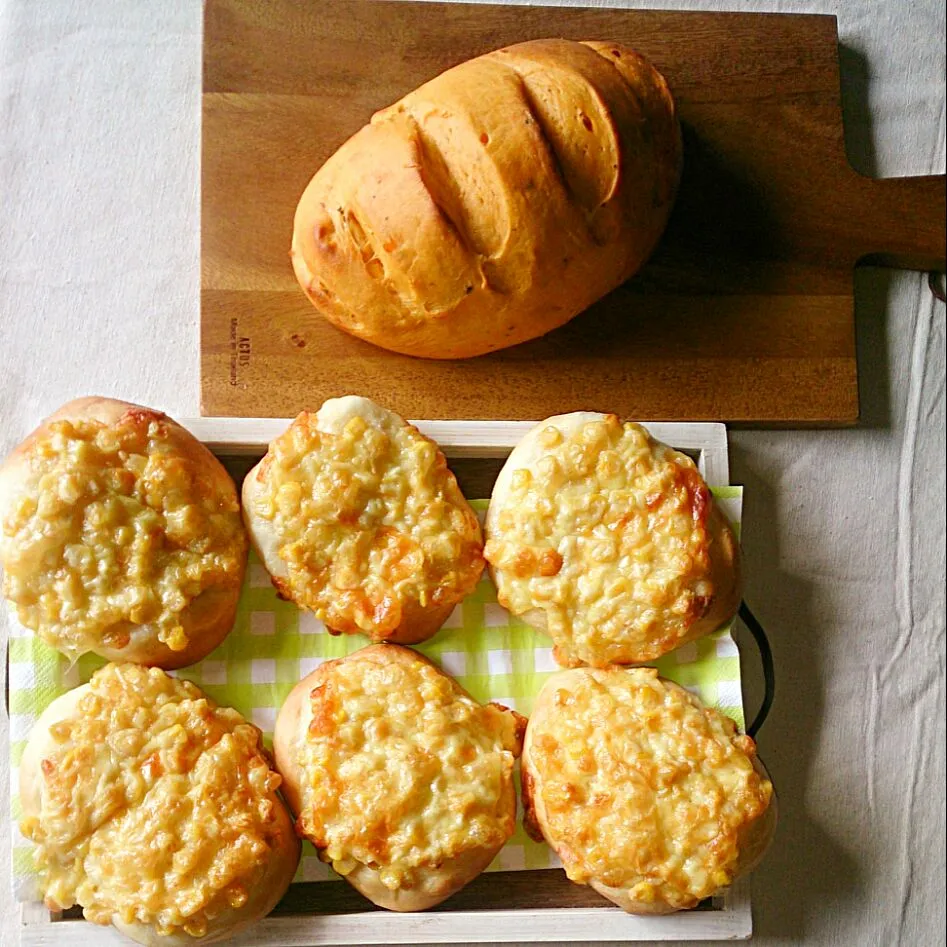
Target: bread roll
{"points": [[495, 202], [647, 796], [120, 534], [402, 781], [609, 541], [155, 810], [357, 518]]}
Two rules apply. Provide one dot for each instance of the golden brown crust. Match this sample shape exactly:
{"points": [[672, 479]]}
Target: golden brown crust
{"points": [[434, 884], [72, 811], [314, 709], [358, 518], [207, 621], [528, 796], [612, 805], [209, 600], [725, 576], [755, 839], [609, 541], [493, 203]]}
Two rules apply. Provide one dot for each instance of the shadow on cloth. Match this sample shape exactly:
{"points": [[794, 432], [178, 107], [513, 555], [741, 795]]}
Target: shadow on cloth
{"points": [[805, 869]]}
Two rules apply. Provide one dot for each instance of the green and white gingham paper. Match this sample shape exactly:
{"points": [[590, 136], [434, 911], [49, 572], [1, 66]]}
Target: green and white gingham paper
{"points": [[274, 644]]}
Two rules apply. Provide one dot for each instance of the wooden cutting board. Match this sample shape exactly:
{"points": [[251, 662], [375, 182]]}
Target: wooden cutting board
{"points": [[744, 314]]}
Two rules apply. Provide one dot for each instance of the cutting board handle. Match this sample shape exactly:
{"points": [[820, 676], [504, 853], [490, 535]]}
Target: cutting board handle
{"points": [[898, 222]]}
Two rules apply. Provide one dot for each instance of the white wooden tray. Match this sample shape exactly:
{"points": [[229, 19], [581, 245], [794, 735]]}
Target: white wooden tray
{"points": [[498, 907]]}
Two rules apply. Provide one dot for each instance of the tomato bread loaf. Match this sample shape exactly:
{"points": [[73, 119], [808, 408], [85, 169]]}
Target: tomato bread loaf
{"points": [[493, 203]]}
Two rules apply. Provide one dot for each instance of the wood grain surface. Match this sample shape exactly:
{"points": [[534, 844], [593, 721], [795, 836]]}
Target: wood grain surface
{"points": [[744, 314], [501, 890]]}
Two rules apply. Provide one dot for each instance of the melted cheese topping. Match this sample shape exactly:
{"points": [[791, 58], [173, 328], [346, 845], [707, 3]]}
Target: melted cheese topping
{"points": [[366, 523], [403, 771], [605, 534], [643, 788], [157, 805], [112, 529]]}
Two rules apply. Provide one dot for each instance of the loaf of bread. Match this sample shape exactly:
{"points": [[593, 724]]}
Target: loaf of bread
{"points": [[402, 781], [120, 535], [665, 805], [154, 809], [357, 517], [495, 202], [609, 542]]}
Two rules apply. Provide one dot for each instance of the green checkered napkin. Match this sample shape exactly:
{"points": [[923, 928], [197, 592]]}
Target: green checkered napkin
{"points": [[274, 644]]}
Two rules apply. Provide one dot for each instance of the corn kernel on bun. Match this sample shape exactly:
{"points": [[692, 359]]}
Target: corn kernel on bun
{"points": [[647, 796], [120, 534], [609, 541], [358, 519], [155, 810], [402, 781]]}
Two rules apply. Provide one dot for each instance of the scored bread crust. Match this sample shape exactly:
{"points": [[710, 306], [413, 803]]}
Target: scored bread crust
{"points": [[724, 573], [263, 897], [493, 203], [418, 622], [433, 883], [207, 618], [753, 838]]}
